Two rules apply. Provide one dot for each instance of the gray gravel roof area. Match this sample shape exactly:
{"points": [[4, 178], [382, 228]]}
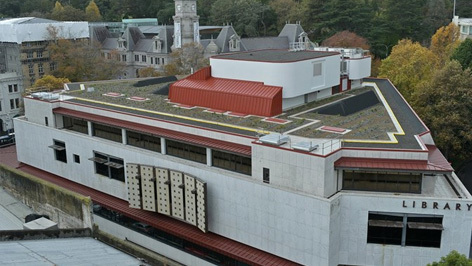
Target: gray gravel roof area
{"points": [[407, 118], [276, 55]]}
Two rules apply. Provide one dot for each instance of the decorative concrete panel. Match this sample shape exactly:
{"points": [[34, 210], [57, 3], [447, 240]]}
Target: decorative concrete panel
{"points": [[134, 191], [163, 190], [190, 200], [148, 188], [177, 194]]}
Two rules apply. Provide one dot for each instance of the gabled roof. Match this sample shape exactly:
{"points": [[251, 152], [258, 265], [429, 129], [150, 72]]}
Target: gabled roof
{"points": [[132, 35], [291, 31], [223, 39]]}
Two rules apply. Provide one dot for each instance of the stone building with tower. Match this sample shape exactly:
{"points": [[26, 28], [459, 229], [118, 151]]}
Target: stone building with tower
{"points": [[144, 46]]}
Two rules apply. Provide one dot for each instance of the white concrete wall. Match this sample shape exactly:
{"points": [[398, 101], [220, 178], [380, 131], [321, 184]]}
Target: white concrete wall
{"points": [[148, 242], [296, 78], [359, 68], [291, 225], [354, 249], [294, 170], [385, 154]]}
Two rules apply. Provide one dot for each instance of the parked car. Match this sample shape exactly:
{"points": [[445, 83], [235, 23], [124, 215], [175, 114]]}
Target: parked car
{"points": [[7, 140]]}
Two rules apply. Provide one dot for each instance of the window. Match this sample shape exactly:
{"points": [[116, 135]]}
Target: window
{"points": [[158, 61], [108, 55], [109, 166], [144, 141], [266, 175], [46, 122], [123, 57], [10, 88], [152, 60], [29, 55], [31, 69], [76, 125], [382, 181], [52, 66], [40, 68], [17, 102], [39, 54], [76, 158], [143, 58], [317, 67], [162, 60], [107, 132], [186, 151], [12, 104], [59, 148], [15, 87], [136, 58], [232, 162], [404, 229]]}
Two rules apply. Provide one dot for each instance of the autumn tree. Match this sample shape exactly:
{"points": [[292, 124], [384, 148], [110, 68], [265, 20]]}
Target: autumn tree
{"points": [[185, 59], [92, 12], [454, 258], [444, 42], [148, 72], [50, 83], [463, 54], [409, 65], [444, 105], [79, 61], [346, 39]]}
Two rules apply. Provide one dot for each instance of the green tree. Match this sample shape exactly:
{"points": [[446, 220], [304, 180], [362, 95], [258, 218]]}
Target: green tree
{"points": [[92, 12], [50, 83], [408, 66], [463, 54], [67, 13], [454, 258], [247, 16], [444, 105], [184, 59]]}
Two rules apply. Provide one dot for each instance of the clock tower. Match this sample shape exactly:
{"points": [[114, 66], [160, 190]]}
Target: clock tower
{"points": [[186, 28]]}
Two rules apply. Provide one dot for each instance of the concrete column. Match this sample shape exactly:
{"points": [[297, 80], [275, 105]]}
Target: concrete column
{"points": [[123, 136], [163, 146], [209, 162], [89, 125]]}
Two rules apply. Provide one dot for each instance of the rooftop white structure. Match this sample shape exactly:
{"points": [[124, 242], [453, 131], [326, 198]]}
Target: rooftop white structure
{"points": [[31, 29]]}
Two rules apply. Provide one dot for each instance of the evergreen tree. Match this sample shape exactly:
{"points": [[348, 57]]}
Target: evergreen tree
{"points": [[92, 12]]}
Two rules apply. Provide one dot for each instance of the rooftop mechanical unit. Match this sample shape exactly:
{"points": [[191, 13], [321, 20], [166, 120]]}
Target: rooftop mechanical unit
{"points": [[305, 146], [274, 139]]}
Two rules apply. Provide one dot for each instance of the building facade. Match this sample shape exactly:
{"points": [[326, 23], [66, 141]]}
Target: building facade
{"points": [[465, 25], [24, 58], [299, 188]]}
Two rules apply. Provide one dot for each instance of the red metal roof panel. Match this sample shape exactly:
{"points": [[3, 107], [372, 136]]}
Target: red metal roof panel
{"points": [[435, 163], [161, 132], [248, 97]]}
